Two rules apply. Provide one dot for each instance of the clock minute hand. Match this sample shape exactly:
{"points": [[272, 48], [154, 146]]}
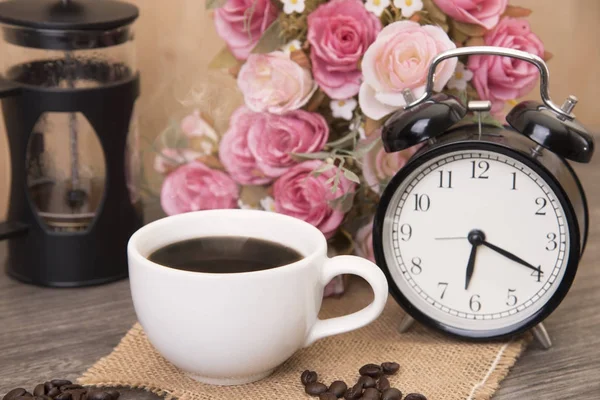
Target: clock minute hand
{"points": [[509, 255]]}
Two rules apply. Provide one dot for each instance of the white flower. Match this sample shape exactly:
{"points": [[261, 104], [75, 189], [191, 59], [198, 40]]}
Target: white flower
{"points": [[460, 78], [343, 108], [290, 6], [207, 147], [377, 6], [291, 47], [268, 204], [194, 125], [409, 7], [361, 130], [244, 206]]}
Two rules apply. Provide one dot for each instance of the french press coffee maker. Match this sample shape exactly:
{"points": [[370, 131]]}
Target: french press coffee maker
{"points": [[68, 86]]}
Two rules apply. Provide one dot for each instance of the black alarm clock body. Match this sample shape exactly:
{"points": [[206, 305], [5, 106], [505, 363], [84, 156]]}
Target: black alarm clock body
{"points": [[527, 202], [480, 234]]}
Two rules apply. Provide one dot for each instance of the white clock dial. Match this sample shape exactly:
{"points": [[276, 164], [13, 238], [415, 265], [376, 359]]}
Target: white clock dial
{"points": [[427, 251]]}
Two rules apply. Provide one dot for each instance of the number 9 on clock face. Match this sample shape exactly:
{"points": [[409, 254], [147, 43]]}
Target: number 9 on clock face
{"points": [[477, 243]]}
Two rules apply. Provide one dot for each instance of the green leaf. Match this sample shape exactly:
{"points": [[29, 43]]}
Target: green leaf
{"points": [[223, 60], [323, 168], [351, 176], [343, 203], [463, 97], [270, 40], [211, 4], [172, 137], [364, 149], [468, 30], [336, 182], [320, 155], [343, 140]]}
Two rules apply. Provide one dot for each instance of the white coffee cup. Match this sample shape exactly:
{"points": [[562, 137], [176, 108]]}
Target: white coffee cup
{"points": [[236, 328]]}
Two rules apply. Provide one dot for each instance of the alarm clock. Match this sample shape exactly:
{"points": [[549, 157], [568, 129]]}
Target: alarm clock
{"points": [[481, 232]]}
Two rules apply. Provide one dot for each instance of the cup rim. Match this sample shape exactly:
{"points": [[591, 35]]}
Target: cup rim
{"points": [[163, 223]]}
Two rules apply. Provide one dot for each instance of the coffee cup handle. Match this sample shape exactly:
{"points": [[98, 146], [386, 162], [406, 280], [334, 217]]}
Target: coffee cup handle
{"points": [[356, 266]]}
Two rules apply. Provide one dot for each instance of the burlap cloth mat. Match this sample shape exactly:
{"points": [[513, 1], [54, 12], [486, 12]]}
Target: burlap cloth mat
{"points": [[431, 363]]}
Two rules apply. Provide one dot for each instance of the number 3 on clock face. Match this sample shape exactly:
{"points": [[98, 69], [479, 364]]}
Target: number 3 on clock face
{"points": [[475, 241]]}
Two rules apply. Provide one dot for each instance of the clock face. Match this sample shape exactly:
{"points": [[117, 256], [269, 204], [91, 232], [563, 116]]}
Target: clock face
{"points": [[476, 240]]}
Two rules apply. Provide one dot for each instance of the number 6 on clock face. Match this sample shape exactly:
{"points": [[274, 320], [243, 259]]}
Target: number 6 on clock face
{"points": [[476, 242]]}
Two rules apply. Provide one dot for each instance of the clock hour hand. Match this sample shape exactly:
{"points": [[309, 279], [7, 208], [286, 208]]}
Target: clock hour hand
{"points": [[509, 255], [475, 237], [470, 266]]}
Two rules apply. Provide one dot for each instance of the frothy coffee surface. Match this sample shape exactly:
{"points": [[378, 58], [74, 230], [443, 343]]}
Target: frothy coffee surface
{"points": [[225, 255]]}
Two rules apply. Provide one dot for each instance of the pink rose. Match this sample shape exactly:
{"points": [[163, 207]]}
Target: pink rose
{"points": [[399, 59], [274, 83], [339, 33], [379, 166], [300, 194], [241, 23], [258, 147], [364, 242], [169, 159], [194, 187], [500, 79], [479, 12]]}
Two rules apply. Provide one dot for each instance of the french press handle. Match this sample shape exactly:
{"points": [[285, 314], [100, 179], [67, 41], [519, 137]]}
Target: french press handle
{"points": [[564, 112]]}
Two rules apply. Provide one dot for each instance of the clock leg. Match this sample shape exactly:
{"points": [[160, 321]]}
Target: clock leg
{"points": [[406, 323], [541, 335]]}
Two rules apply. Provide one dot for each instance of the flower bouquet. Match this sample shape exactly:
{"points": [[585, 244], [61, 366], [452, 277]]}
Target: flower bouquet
{"points": [[318, 78]]}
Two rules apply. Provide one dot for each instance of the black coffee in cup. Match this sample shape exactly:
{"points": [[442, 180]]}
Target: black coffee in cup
{"points": [[225, 255]]}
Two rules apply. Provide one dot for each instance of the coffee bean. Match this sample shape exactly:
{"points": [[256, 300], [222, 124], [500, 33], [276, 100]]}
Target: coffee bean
{"points": [[98, 395], [48, 386], [327, 396], [415, 396], [114, 394], [391, 394], [39, 390], [313, 388], [383, 384], [338, 388], [390, 368], [53, 392], [308, 377], [64, 396], [60, 382], [372, 370], [14, 393], [371, 394], [353, 393], [42, 397], [23, 398], [27, 394], [366, 382], [71, 386], [77, 394]]}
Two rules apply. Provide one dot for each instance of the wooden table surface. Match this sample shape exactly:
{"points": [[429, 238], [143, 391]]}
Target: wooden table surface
{"points": [[46, 333]]}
